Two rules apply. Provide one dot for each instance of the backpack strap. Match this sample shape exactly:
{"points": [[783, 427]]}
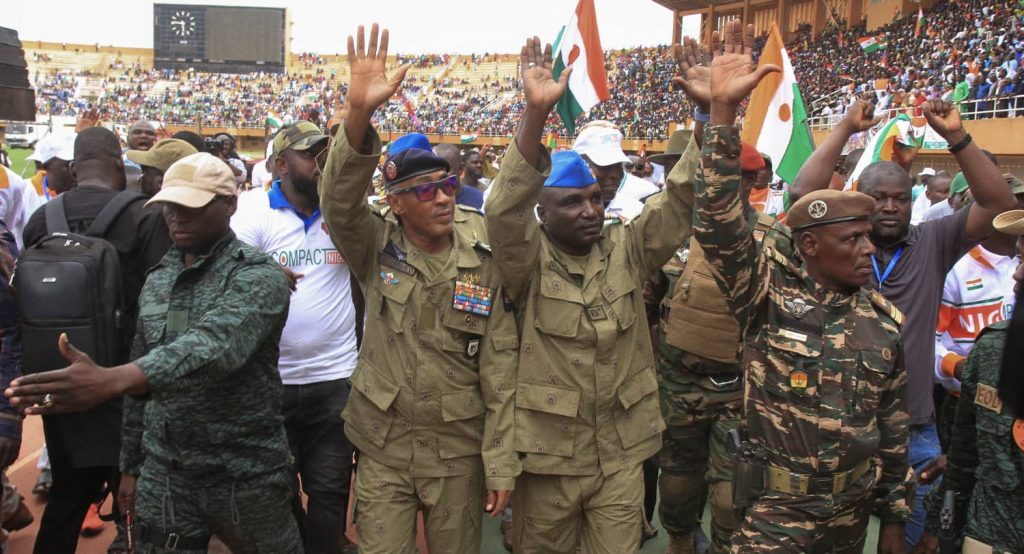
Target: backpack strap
{"points": [[56, 218], [106, 217]]}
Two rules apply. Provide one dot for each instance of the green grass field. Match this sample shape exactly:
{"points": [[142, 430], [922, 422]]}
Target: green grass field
{"points": [[18, 156]]}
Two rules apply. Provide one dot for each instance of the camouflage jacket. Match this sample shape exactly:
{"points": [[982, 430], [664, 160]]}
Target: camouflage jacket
{"points": [[586, 399], [825, 380], [986, 454], [434, 387], [207, 340]]}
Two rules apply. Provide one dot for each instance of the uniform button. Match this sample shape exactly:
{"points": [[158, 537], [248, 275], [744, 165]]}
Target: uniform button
{"points": [[886, 354], [469, 318], [450, 373], [527, 348], [431, 295], [424, 397]]}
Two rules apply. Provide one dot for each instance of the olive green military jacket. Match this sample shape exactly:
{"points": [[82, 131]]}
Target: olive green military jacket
{"points": [[434, 387], [986, 454], [825, 381], [208, 341], [586, 399]]}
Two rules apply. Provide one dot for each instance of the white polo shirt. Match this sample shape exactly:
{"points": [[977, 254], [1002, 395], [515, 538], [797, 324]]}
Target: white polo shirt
{"points": [[319, 340]]}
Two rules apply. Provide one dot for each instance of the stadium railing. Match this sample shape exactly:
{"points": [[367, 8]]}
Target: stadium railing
{"points": [[986, 108]]}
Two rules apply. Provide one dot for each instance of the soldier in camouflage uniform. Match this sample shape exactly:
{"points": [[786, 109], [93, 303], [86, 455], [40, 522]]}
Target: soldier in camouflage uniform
{"points": [[587, 413], [986, 455], [434, 389], [824, 383], [202, 426]]}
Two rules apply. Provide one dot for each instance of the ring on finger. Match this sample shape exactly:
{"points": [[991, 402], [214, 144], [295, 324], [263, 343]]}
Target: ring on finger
{"points": [[48, 401], [531, 64]]}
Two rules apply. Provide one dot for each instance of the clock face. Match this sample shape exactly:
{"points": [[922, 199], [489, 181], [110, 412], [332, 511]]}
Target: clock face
{"points": [[183, 24]]}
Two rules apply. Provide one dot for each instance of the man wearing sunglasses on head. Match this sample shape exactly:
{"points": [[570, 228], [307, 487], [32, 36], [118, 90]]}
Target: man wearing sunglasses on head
{"points": [[433, 391]]}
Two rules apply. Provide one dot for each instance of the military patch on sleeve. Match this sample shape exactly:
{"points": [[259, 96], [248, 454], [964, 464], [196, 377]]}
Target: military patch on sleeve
{"points": [[987, 397], [759, 235]]}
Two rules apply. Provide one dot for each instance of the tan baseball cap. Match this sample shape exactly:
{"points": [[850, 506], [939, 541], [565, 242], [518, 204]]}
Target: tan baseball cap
{"points": [[163, 154], [195, 180], [1010, 222]]}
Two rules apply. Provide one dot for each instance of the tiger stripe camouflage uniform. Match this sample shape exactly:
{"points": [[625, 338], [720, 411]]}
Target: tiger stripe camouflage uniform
{"points": [[699, 354], [985, 458], [434, 388], [824, 384], [208, 443], [587, 412]]}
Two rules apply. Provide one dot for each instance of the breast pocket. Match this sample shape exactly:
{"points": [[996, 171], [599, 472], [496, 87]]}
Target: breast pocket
{"points": [[795, 369], [546, 419], [559, 307], [619, 292], [463, 331], [396, 289], [876, 366], [638, 416], [152, 325], [369, 408]]}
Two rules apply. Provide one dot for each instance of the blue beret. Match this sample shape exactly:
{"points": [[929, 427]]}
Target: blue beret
{"points": [[411, 161], [569, 171], [415, 140]]}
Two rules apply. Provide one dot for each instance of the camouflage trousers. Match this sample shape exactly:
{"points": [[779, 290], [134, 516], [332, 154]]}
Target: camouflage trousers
{"points": [[811, 524], [253, 516], [693, 459], [388, 499]]}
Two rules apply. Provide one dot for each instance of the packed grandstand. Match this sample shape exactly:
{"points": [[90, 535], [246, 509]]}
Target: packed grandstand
{"points": [[968, 51]]}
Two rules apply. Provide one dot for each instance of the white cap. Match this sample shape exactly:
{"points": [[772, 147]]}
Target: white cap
{"points": [[601, 142], [927, 171], [55, 145]]}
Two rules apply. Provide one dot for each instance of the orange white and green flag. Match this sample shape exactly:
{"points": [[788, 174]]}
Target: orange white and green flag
{"points": [[579, 45], [920, 22]]}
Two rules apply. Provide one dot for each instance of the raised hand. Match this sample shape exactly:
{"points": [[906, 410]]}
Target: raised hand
{"points": [[540, 88], [945, 119], [733, 76], [369, 84], [88, 118], [860, 117], [694, 74]]}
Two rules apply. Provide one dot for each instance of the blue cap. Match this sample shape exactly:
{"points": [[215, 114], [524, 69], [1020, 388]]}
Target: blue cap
{"points": [[415, 140], [411, 156], [569, 171]]}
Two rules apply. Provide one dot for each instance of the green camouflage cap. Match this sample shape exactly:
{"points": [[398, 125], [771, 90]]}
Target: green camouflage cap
{"points": [[298, 136]]}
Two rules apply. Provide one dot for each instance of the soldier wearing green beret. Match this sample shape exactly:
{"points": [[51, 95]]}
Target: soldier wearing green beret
{"points": [[824, 377]]}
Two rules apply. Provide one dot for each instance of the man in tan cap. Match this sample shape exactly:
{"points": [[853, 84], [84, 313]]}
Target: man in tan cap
{"points": [[213, 458], [824, 378], [156, 160]]}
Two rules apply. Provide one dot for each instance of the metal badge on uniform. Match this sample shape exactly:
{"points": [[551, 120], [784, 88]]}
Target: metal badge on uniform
{"points": [[1018, 433], [391, 170], [389, 278], [987, 397], [797, 307], [596, 313], [759, 235], [473, 347], [793, 335], [798, 381], [472, 297], [817, 209]]}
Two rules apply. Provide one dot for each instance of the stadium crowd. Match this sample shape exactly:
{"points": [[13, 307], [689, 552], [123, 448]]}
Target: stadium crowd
{"points": [[567, 339]]}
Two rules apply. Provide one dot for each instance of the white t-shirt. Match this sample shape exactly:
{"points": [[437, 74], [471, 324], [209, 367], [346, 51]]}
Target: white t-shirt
{"points": [[18, 200], [319, 340]]}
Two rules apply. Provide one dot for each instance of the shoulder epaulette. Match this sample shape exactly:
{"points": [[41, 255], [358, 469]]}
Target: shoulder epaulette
{"points": [[471, 209], [777, 256], [886, 306]]}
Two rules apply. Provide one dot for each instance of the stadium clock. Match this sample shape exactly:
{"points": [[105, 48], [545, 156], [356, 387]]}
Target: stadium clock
{"points": [[183, 24]]}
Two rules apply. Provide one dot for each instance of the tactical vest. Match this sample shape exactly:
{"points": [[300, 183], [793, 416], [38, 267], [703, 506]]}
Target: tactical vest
{"points": [[700, 321]]}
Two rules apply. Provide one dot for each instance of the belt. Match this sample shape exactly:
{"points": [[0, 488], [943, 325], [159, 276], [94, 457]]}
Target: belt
{"points": [[797, 484], [170, 540], [974, 546]]}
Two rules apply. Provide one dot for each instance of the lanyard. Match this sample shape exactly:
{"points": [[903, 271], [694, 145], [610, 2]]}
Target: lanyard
{"points": [[888, 269], [46, 189]]}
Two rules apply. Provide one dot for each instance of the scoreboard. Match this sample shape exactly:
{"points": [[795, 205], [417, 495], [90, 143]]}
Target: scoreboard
{"points": [[219, 38]]}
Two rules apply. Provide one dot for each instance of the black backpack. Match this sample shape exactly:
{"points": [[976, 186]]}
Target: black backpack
{"points": [[70, 283]]}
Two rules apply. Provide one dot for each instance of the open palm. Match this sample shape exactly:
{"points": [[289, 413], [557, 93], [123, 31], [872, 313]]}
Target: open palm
{"points": [[540, 88], [369, 84], [694, 75], [733, 76]]}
